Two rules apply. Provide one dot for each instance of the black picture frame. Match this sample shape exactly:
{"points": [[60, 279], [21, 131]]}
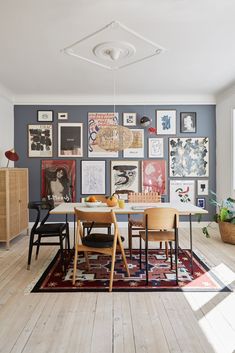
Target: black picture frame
{"points": [[188, 122], [45, 115]]}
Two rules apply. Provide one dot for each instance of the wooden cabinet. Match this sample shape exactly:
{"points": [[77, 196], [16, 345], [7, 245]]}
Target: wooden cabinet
{"points": [[13, 203]]}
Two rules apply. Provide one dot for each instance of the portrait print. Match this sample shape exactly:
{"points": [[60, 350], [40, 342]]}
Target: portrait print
{"points": [[154, 176], [187, 122], [124, 175], [189, 157], [95, 122], [58, 181], [40, 140], [166, 122]]}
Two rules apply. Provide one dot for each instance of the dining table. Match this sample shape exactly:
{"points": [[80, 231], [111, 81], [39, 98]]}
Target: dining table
{"points": [[184, 209]]}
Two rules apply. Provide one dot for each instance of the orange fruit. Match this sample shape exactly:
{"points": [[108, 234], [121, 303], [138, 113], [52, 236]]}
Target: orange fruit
{"points": [[92, 199]]}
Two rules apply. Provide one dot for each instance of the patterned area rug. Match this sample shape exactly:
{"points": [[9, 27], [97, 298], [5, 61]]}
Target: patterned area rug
{"points": [[161, 277]]}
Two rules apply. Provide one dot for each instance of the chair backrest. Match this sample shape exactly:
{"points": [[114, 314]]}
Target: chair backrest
{"points": [[96, 217], [144, 197], [101, 198], [39, 206], [160, 218], [123, 194]]}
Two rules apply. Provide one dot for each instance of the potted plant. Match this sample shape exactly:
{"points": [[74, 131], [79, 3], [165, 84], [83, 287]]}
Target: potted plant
{"points": [[225, 217]]}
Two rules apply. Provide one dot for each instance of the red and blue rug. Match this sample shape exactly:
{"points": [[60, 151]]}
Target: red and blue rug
{"points": [[161, 277]]}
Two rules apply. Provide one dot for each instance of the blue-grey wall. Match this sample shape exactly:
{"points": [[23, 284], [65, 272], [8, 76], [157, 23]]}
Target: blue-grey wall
{"points": [[27, 114]]}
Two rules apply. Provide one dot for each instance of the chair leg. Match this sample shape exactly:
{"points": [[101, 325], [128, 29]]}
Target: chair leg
{"points": [[176, 256], [67, 236], [140, 253], [112, 266], [38, 246], [109, 231], [31, 240], [166, 249], [171, 254], [160, 245], [146, 262], [75, 263], [123, 255], [130, 239]]}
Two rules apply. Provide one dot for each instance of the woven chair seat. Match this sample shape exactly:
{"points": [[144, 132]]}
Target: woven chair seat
{"points": [[136, 223]]}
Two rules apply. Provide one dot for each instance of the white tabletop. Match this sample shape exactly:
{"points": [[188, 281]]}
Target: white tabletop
{"points": [[130, 208]]}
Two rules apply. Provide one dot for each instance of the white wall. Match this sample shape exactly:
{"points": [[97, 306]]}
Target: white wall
{"points": [[224, 164], [6, 125]]}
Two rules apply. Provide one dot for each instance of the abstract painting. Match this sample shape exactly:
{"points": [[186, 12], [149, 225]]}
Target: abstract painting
{"points": [[93, 177], [182, 191], [154, 176], [58, 180], [136, 149], [189, 157], [95, 122], [124, 175], [166, 122], [70, 137], [40, 140]]}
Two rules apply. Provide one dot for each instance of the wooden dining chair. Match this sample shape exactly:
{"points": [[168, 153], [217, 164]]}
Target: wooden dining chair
{"points": [[135, 224], [160, 224], [98, 242], [87, 226]]}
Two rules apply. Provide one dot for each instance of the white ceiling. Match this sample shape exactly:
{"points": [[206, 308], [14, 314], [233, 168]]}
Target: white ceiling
{"points": [[198, 35]]}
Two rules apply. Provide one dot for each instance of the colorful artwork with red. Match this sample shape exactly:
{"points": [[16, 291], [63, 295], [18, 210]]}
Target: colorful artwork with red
{"points": [[154, 176], [58, 180]]}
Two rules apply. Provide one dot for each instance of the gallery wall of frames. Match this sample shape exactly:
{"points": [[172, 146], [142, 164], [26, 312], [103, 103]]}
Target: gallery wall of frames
{"points": [[174, 155]]}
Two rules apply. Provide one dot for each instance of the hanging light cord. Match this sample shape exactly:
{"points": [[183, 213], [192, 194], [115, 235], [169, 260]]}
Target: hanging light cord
{"points": [[114, 92]]}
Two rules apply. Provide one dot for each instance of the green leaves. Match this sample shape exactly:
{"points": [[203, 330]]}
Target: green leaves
{"points": [[205, 232]]}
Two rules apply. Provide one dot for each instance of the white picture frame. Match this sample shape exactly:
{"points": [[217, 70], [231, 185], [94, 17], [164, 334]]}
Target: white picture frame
{"points": [[156, 147], [202, 187], [182, 191], [70, 139], [166, 122], [136, 149], [93, 177], [129, 119], [124, 175], [45, 115], [62, 116], [95, 122]]}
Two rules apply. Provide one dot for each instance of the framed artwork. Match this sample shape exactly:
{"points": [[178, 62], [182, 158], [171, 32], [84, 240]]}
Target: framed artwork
{"points": [[182, 191], [136, 149], [129, 119], [44, 115], [124, 175], [154, 176], [62, 116], [70, 139], [201, 202], [188, 122], [58, 180], [166, 122], [189, 157], [95, 122], [93, 177], [202, 187], [156, 147], [40, 140]]}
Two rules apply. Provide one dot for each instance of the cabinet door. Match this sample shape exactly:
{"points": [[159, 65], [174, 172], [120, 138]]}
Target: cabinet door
{"points": [[23, 199], [3, 208], [14, 217]]}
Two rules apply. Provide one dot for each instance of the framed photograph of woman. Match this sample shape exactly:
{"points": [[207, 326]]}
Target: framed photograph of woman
{"points": [[70, 139], [58, 180], [188, 122], [93, 177]]}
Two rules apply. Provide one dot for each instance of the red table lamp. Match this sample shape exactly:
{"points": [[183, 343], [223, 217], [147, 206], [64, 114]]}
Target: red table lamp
{"points": [[11, 155]]}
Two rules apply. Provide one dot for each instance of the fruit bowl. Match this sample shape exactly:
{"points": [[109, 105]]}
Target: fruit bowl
{"points": [[93, 204]]}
